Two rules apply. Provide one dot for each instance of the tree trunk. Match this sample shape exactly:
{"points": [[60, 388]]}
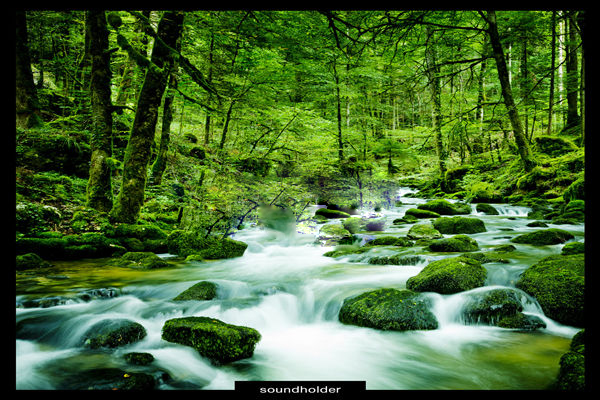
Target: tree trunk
{"points": [[509, 102], [572, 81], [137, 154], [552, 65], [339, 113], [158, 168], [99, 189], [27, 107], [433, 71]]}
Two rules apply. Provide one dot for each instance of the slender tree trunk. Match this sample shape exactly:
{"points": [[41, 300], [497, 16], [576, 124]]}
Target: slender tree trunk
{"points": [[137, 154], [433, 71], [572, 82], [158, 168], [226, 124], [210, 72], [339, 113], [27, 107], [552, 65], [99, 188], [509, 102]]}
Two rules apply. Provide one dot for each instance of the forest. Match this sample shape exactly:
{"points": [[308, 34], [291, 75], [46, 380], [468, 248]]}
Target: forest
{"points": [[283, 158]]}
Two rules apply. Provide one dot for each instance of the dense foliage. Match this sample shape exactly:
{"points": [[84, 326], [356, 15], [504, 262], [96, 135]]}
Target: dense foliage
{"points": [[290, 108]]}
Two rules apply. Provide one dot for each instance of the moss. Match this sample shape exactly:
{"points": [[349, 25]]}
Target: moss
{"points": [[544, 237], [444, 207], [141, 260], [200, 291], [29, 261], [346, 250], [490, 306], [113, 333], [455, 225], [389, 241], [453, 244], [212, 338], [352, 224], [486, 209], [557, 283], [397, 259], [69, 247], [449, 275], [573, 248], [423, 231], [185, 243], [520, 321], [138, 358], [329, 214], [417, 213], [575, 191], [334, 232], [483, 192], [388, 309]]}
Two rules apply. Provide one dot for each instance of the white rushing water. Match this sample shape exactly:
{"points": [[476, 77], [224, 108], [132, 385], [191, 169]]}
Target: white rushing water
{"points": [[285, 288]]}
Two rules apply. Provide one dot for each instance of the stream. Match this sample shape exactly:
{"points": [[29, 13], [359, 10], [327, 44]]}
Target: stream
{"points": [[284, 287]]}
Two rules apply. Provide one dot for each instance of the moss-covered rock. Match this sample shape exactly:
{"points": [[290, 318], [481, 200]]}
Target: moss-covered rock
{"points": [[141, 260], [573, 248], [575, 191], [345, 250], [138, 358], [353, 224], [30, 261], [113, 333], [554, 146], [456, 225], [486, 209], [389, 241], [423, 231], [388, 309], [489, 257], [417, 213], [521, 321], [33, 217], [332, 234], [204, 290], [69, 247], [185, 243], [397, 259], [460, 243], [557, 283], [544, 237], [108, 379], [444, 207], [330, 214], [571, 375], [218, 341], [483, 192], [449, 275]]}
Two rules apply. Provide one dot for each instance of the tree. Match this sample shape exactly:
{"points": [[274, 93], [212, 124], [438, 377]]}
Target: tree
{"points": [[509, 102], [99, 188], [137, 154], [27, 106]]}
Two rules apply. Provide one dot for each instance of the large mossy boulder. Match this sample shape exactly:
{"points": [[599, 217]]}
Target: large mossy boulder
{"points": [[388, 309], [554, 146], [390, 241], [500, 307], [444, 207], [423, 231], [141, 260], [30, 261], [571, 374], [330, 214], [544, 237], [449, 275], [186, 243], [204, 290], [55, 246], [332, 234], [458, 243], [418, 213], [486, 209], [218, 341], [456, 225], [113, 333], [557, 283]]}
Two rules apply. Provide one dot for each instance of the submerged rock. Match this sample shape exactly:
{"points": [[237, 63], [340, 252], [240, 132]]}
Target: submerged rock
{"points": [[113, 333], [557, 283], [388, 309], [218, 341], [423, 231], [141, 260], [449, 275], [109, 379]]}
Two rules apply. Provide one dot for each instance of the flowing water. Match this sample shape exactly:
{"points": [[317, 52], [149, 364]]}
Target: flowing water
{"points": [[285, 288]]}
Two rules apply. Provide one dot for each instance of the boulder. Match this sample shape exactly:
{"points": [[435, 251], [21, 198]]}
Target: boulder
{"points": [[332, 234], [486, 209], [138, 358], [444, 207], [200, 291], [214, 339], [389, 241], [108, 379], [329, 214], [185, 243], [417, 213], [573, 248], [141, 260], [455, 225], [543, 237], [113, 333], [388, 309], [571, 374], [557, 283], [29, 261], [449, 275], [423, 231], [462, 243]]}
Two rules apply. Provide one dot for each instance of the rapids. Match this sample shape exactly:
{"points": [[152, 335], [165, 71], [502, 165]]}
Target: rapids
{"points": [[285, 288]]}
